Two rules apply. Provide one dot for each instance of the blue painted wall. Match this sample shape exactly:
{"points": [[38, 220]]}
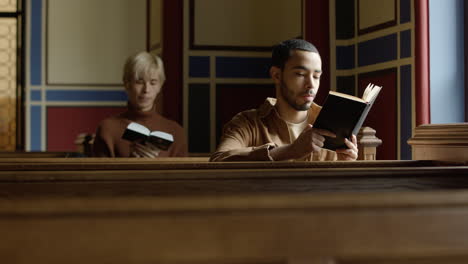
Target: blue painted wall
{"points": [[446, 61]]}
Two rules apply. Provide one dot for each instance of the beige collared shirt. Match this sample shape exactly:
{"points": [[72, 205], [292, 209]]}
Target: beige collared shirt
{"points": [[251, 134]]}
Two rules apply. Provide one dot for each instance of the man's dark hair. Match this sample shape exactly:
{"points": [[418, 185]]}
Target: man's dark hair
{"points": [[282, 51]]}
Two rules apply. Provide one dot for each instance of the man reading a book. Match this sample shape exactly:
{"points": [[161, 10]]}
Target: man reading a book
{"points": [[282, 128], [143, 78]]}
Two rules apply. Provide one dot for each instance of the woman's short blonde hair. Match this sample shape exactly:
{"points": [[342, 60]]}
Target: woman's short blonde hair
{"points": [[141, 66]]}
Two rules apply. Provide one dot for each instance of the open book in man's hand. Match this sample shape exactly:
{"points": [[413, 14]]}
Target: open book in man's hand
{"points": [[344, 115], [141, 134]]}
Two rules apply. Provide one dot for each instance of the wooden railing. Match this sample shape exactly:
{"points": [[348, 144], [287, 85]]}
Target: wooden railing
{"points": [[440, 142]]}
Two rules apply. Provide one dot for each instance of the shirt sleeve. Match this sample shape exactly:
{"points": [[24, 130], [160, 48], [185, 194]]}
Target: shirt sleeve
{"points": [[325, 155], [100, 147], [180, 146], [237, 143]]}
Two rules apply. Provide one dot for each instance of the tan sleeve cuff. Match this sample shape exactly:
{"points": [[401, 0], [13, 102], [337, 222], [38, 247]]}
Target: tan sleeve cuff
{"points": [[263, 152]]}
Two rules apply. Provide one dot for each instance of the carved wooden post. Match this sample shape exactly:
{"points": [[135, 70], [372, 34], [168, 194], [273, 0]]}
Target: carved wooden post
{"points": [[367, 144]]}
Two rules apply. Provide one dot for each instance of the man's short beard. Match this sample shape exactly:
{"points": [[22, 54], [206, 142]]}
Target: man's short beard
{"points": [[289, 97]]}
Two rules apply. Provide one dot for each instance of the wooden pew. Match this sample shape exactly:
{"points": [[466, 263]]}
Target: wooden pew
{"points": [[39, 154], [95, 210], [346, 228], [140, 177]]}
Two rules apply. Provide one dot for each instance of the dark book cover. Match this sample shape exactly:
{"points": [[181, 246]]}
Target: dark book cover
{"points": [[342, 116], [132, 135], [160, 142]]}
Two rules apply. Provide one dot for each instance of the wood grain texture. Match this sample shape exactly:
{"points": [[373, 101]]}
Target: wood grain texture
{"points": [[440, 141], [328, 228], [95, 177], [56, 210]]}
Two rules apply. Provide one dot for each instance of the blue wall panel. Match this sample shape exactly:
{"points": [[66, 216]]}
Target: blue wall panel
{"points": [[199, 66], [85, 95], [36, 95], [36, 132], [242, 67], [377, 50], [405, 11], [405, 44], [345, 57]]}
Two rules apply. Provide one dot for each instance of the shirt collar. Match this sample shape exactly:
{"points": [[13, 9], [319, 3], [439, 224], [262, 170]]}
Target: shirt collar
{"points": [[269, 105], [266, 108]]}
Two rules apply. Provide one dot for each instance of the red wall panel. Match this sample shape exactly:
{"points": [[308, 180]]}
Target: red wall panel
{"points": [[383, 115], [317, 31], [65, 123]]}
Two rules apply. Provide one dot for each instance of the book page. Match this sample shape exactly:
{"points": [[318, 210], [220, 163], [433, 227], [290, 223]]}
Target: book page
{"points": [[373, 93], [138, 128], [366, 91], [347, 96], [162, 135]]}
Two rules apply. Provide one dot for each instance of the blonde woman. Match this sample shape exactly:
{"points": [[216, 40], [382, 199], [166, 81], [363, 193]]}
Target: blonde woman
{"points": [[143, 78]]}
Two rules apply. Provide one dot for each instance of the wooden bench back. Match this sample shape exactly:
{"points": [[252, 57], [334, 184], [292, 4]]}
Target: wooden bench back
{"points": [[38, 154], [378, 228], [172, 177], [92, 210]]}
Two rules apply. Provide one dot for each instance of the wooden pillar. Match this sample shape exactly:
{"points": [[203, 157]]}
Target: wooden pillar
{"points": [[367, 144], [421, 8]]}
